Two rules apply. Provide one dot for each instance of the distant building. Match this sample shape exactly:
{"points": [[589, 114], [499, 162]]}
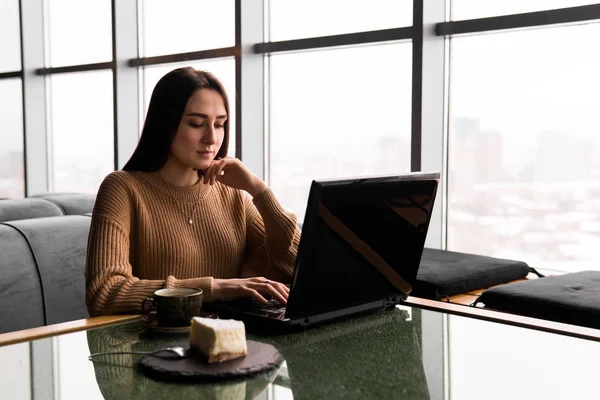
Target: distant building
{"points": [[563, 157], [476, 156]]}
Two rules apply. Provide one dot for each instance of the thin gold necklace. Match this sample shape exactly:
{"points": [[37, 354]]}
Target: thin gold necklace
{"points": [[189, 217]]}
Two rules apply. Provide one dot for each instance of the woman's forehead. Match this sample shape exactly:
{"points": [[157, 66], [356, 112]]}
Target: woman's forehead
{"points": [[206, 101]]}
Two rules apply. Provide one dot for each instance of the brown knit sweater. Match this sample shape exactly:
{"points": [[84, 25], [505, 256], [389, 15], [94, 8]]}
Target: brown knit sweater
{"points": [[140, 239]]}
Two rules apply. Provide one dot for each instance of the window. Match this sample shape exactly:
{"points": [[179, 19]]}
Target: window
{"points": [[82, 139], [471, 9], [497, 378], [80, 32], [338, 113], [311, 18], [11, 136], [10, 45], [181, 26], [16, 366], [524, 153], [74, 375], [223, 69]]}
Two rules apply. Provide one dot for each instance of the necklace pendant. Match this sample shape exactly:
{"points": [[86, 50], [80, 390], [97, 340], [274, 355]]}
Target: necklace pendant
{"points": [[190, 221]]}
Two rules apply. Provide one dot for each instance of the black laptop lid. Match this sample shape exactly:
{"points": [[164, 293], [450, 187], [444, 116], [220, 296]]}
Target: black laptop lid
{"points": [[362, 241]]}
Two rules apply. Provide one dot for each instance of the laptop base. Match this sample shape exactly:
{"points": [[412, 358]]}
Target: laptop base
{"points": [[256, 321]]}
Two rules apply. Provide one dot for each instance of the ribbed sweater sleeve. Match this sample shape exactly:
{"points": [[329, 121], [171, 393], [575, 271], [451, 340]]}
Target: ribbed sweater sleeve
{"points": [[272, 238], [111, 285]]}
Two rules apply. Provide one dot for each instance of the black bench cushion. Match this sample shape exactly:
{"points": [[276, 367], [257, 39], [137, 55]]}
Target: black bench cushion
{"points": [[73, 204], [21, 300], [447, 273], [60, 246], [17, 209], [570, 298]]}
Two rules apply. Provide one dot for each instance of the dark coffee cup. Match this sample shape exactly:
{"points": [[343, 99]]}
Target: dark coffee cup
{"points": [[174, 307]]}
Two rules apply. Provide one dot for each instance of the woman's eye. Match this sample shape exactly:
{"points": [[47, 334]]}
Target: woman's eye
{"points": [[196, 125]]}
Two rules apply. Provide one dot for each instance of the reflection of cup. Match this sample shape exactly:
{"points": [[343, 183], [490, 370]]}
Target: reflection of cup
{"points": [[174, 307]]}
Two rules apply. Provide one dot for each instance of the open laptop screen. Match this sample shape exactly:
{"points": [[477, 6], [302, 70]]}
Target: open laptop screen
{"points": [[362, 241]]}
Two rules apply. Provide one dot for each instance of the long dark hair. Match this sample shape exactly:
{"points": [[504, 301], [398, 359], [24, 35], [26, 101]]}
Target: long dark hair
{"points": [[167, 104]]}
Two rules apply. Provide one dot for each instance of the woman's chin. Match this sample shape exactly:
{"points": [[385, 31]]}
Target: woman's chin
{"points": [[200, 166]]}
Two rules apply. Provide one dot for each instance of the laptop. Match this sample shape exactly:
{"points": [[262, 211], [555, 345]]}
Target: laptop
{"points": [[360, 249]]}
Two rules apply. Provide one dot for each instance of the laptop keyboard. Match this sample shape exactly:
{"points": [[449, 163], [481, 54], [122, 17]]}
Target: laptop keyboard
{"points": [[273, 308]]}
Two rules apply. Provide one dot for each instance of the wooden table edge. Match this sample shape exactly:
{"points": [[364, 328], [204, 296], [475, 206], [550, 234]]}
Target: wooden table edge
{"points": [[41, 332], [505, 318], [449, 308]]}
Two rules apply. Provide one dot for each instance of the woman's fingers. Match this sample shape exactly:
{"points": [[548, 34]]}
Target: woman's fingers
{"points": [[273, 288], [208, 173], [267, 288], [219, 169], [254, 293], [281, 289], [280, 286], [258, 288], [215, 169]]}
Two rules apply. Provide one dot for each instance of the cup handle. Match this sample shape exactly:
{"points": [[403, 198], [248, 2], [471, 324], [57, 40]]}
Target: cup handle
{"points": [[148, 305]]}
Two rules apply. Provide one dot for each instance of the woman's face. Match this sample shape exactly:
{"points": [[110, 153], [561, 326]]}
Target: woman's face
{"points": [[201, 130]]}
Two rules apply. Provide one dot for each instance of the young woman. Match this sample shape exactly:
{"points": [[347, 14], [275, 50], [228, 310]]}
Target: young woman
{"points": [[181, 214]]}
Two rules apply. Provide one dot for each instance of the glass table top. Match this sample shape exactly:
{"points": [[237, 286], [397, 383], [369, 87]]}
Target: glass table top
{"points": [[405, 353]]}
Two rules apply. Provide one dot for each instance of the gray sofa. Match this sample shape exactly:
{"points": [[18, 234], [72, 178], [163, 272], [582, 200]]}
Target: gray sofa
{"points": [[73, 204], [42, 266], [12, 210], [46, 205], [20, 287], [42, 260]]}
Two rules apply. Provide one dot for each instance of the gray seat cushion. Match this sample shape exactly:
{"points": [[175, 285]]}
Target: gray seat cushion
{"points": [[447, 273], [21, 300], [17, 209], [73, 204], [60, 245], [570, 298]]}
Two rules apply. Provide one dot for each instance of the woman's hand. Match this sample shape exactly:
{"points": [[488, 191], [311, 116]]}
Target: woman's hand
{"points": [[233, 173], [231, 289]]}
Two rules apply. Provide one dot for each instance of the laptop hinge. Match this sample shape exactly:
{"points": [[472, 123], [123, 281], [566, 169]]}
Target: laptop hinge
{"points": [[392, 301]]}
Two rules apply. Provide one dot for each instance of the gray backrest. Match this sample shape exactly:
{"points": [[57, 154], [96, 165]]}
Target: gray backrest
{"points": [[18, 209], [45, 194], [73, 204], [21, 297], [59, 245]]}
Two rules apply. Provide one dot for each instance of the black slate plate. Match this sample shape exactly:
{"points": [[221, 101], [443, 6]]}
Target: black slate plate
{"points": [[261, 357]]}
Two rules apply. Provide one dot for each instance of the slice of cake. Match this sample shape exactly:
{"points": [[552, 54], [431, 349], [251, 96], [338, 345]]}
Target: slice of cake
{"points": [[218, 339]]}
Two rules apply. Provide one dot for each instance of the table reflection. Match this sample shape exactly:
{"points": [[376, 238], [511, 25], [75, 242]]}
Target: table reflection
{"points": [[119, 376], [376, 354]]}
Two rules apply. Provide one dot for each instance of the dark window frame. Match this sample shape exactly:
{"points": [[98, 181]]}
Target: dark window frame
{"points": [[557, 16]]}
